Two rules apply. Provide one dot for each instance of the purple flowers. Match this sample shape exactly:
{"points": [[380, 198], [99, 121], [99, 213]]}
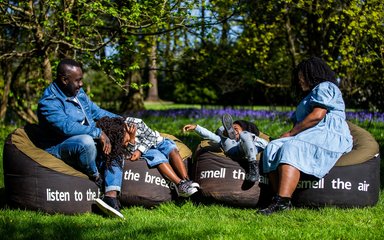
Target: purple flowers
{"points": [[206, 113], [195, 113], [365, 116]]}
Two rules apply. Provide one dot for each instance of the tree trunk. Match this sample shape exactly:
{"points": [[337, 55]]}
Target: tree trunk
{"points": [[47, 69], [153, 93], [7, 87], [133, 101], [224, 33], [291, 39], [202, 34]]}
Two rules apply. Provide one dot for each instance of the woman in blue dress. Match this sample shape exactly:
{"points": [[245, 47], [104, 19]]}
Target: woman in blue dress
{"points": [[319, 137]]}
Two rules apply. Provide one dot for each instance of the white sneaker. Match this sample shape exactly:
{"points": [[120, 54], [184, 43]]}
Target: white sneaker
{"points": [[184, 189], [193, 184], [109, 206]]}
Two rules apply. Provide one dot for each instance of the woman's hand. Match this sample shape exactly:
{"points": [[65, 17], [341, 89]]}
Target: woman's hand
{"points": [[135, 155], [189, 127], [287, 134]]}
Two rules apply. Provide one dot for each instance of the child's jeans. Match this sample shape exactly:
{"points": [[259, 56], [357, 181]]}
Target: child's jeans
{"points": [[247, 147], [160, 153]]}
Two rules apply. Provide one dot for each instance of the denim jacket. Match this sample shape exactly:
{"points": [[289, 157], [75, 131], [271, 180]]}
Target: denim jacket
{"points": [[61, 117]]}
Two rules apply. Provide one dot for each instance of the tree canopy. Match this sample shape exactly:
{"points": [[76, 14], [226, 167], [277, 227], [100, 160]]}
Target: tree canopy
{"points": [[202, 51]]}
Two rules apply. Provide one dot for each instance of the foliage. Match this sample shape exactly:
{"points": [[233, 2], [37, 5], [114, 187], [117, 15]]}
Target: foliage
{"points": [[39, 33], [207, 52], [266, 40]]}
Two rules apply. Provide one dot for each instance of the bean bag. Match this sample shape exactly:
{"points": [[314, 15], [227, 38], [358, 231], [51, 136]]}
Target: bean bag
{"points": [[36, 180], [222, 179], [144, 186], [353, 182]]}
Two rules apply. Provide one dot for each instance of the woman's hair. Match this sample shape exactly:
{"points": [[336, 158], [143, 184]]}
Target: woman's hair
{"points": [[248, 126], [115, 129], [315, 71]]}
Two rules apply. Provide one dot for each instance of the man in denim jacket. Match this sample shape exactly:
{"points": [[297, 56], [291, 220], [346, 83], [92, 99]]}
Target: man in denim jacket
{"points": [[68, 118]]}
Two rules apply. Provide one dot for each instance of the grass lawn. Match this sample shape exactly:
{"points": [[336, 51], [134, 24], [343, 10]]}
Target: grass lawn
{"points": [[185, 219]]}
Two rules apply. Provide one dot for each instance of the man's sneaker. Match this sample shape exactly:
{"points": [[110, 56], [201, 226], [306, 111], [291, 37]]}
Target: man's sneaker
{"points": [[184, 189], [228, 125], [98, 181], [278, 204], [253, 172], [110, 206]]}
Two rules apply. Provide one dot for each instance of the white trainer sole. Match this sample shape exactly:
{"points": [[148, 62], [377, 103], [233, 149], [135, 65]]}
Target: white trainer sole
{"points": [[110, 211], [187, 194]]}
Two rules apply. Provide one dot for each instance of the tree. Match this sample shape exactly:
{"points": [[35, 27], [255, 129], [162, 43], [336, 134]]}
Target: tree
{"points": [[267, 39], [200, 51], [41, 32], [38, 32], [153, 93]]}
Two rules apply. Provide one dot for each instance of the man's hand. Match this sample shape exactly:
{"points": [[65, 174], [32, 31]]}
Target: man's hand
{"points": [[105, 143], [135, 155]]}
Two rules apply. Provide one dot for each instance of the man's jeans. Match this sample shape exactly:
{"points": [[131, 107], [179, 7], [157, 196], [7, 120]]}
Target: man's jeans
{"points": [[113, 176], [80, 152]]}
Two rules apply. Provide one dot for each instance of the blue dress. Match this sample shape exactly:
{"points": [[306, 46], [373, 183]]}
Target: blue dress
{"points": [[315, 150]]}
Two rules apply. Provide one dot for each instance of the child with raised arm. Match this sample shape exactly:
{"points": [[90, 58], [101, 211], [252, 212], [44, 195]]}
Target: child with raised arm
{"points": [[159, 152], [238, 138]]}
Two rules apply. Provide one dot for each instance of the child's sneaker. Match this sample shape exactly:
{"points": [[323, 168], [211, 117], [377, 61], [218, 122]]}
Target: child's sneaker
{"points": [[193, 184], [110, 206], [184, 189], [227, 122]]}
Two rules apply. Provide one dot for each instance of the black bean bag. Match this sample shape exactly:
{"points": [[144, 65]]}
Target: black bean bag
{"points": [[222, 178], [36, 180], [353, 182], [144, 186]]}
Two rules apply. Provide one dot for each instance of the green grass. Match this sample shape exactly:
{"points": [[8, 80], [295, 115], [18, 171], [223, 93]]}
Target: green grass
{"points": [[187, 220]]}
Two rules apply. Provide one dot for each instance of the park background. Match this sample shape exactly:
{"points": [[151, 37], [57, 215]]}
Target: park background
{"points": [[182, 61], [210, 52]]}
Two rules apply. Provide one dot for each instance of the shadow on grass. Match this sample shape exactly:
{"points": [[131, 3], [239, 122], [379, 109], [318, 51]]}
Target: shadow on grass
{"points": [[3, 201]]}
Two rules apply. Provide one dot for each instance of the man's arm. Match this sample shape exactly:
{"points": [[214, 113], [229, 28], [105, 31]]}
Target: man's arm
{"points": [[66, 122]]}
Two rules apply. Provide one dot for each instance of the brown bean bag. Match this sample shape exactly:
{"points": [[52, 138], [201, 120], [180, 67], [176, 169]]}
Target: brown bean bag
{"points": [[353, 182], [144, 186], [222, 178], [36, 180]]}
